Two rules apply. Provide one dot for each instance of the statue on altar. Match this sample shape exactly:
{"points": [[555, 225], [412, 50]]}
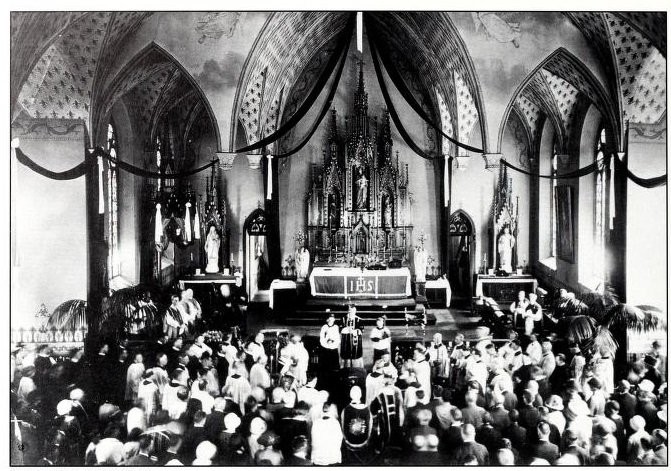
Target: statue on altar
{"points": [[302, 263], [334, 212], [387, 211], [505, 246], [212, 244], [361, 190], [420, 262]]}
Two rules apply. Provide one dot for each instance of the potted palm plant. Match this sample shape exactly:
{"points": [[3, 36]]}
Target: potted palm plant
{"points": [[599, 322]]}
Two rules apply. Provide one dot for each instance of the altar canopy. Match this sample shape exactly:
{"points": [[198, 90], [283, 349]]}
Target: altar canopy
{"points": [[346, 282]]}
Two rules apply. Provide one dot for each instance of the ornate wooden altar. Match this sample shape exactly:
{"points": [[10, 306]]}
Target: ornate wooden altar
{"points": [[358, 202]]}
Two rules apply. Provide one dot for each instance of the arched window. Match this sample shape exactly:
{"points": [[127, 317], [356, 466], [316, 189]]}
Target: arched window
{"points": [[600, 211], [158, 160], [114, 264], [553, 199]]}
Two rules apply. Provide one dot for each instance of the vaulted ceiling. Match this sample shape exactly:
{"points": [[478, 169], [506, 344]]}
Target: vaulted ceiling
{"points": [[60, 62]]}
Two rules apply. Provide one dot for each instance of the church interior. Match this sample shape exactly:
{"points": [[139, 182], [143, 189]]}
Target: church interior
{"points": [[439, 237]]}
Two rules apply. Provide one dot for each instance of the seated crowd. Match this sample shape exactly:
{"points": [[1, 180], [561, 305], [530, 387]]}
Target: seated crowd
{"points": [[204, 401]]}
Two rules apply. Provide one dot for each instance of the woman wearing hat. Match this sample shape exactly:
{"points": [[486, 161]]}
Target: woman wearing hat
{"points": [[329, 339], [556, 416], [380, 335]]}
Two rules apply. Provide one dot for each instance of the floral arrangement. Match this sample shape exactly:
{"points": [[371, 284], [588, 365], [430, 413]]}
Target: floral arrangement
{"points": [[300, 237]]}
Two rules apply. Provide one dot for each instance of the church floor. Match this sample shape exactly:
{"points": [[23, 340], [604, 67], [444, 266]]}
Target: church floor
{"points": [[449, 321]]}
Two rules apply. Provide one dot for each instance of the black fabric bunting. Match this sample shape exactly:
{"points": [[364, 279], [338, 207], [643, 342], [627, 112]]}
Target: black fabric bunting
{"points": [[343, 43], [75, 172], [403, 89], [140, 172], [324, 110], [392, 110], [581, 172], [643, 182]]}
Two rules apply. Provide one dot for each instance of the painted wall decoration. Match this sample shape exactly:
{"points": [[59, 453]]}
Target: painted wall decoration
{"points": [[213, 25], [497, 28]]}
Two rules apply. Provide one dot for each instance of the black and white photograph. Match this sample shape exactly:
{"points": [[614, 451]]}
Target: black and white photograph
{"points": [[349, 237]]}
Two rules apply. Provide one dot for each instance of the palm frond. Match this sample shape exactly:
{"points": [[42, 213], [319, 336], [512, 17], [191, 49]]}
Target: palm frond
{"points": [[626, 316], [597, 304], [602, 340], [580, 329], [70, 315]]}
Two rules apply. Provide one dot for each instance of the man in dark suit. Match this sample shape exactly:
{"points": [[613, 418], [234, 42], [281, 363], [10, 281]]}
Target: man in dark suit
{"points": [[143, 457], [488, 435], [451, 438], [516, 433], [214, 424], [192, 437], [470, 447], [529, 415], [626, 400], [472, 413], [544, 449]]}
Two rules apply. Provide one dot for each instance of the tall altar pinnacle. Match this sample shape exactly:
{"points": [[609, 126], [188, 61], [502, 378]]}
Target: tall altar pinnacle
{"points": [[361, 103]]}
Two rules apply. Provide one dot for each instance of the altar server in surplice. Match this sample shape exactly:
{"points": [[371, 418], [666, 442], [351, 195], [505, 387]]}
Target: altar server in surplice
{"points": [[380, 335], [329, 339]]}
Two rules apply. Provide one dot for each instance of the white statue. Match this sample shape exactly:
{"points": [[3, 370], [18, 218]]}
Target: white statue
{"points": [[302, 263], [362, 191], [505, 249], [420, 261], [212, 249]]}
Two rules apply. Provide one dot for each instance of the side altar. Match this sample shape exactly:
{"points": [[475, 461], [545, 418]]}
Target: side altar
{"points": [[358, 204]]}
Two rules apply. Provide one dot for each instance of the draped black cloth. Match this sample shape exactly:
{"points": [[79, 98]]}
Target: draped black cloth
{"points": [[403, 89], [581, 172], [75, 172]]}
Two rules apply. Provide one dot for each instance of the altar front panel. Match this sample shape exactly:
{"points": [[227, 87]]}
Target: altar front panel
{"points": [[343, 282]]}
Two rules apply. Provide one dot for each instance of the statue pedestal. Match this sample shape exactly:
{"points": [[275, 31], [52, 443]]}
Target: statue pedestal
{"points": [[212, 268]]}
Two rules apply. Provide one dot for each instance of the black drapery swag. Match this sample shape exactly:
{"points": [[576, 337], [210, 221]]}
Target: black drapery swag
{"points": [[581, 172], [403, 89], [392, 110], [342, 47], [335, 64]]}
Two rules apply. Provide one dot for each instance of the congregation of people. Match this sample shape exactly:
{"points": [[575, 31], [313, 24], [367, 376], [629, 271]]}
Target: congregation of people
{"points": [[188, 398]]}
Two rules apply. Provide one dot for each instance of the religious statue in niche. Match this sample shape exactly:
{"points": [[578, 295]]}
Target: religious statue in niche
{"points": [[212, 244], [387, 211], [361, 183], [334, 212], [505, 245]]}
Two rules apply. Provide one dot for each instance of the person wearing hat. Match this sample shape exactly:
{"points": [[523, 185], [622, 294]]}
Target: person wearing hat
{"points": [[556, 416], [660, 441], [205, 453], [329, 340], [634, 446], [626, 400], [380, 335], [327, 438], [300, 450], [652, 373], [578, 420], [646, 405]]}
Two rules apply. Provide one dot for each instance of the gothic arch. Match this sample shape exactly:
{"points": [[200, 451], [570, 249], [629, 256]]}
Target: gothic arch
{"points": [[569, 68], [149, 61]]}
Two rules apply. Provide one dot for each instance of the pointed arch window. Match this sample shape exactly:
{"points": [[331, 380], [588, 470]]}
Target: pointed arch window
{"points": [[113, 259], [600, 212], [553, 199]]}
